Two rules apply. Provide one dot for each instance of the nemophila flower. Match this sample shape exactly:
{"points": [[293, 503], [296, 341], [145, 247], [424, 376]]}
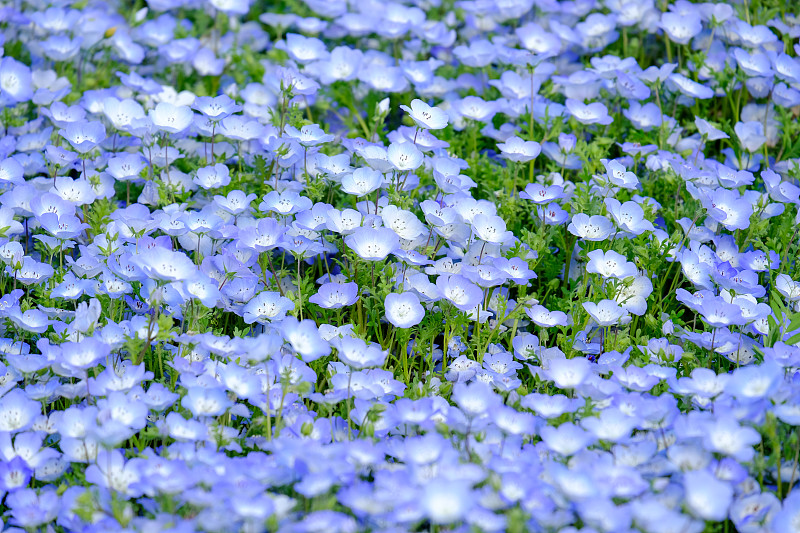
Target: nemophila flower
{"points": [[61, 115], [708, 131], [778, 189], [165, 265], [404, 156], [515, 268], [591, 228], [475, 108], [706, 496], [15, 81], [718, 313], [373, 244], [241, 128], [552, 214], [618, 175], [751, 135], [14, 474], [689, 87], [566, 439], [236, 202], [62, 227], [403, 310], [425, 116], [606, 312], [491, 228], [216, 108], [358, 354], [568, 373], [612, 425], [9, 226], [335, 167], [632, 295], [727, 437], [787, 287], [17, 411], [404, 223], [644, 117], [594, 113], [729, 208], [631, 87], [30, 272], [304, 338], [628, 216], [786, 519], [447, 501], [171, 118], [284, 203], [308, 135], [266, 307], [122, 113], [484, 275], [336, 295], [459, 291], [547, 319], [212, 177], [11, 172], [362, 181], [681, 27], [610, 264], [519, 150], [84, 136], [206, 401], [126, 167]]}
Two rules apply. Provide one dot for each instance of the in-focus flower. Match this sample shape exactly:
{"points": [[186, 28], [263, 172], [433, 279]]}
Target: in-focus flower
{"points": [[403, 310], [425, 116], [335, 295], [373, 244]]}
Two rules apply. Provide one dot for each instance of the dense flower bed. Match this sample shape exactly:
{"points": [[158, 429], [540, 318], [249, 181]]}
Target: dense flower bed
{"points": [[319, 265]]}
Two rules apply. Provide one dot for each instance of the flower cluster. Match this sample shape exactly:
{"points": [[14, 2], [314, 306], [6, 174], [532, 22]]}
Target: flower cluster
{"points": [[400, 266]]}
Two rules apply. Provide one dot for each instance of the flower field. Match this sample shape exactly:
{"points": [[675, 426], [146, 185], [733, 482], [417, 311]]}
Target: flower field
{"points": [[419, 265]]}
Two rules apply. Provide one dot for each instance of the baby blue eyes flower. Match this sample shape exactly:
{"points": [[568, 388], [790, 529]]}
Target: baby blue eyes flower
{"points": [[606, 312], [404, 156], [618, 175], [594, 113], [84, 136], [336, 295], [17, 411], [165, 265], [403, 310], [707, 497], [459, 291], [688, 87], [518, 150], [751, 135], [213, 177], [216, 108], [373, 244], [357, 354], [362, 181], [15, 80], [610, 264], [425, 116], [681, 27], [308, 136], [171, 118], [591, 228], [548, 319], [267, 307]]}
